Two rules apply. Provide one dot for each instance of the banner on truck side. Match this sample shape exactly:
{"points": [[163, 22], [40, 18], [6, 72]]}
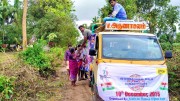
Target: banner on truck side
{"points": [[115, 25], [125, 82]]}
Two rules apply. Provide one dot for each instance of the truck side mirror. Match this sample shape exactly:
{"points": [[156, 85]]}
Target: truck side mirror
{"points": [[92, 52], [168, 54]]}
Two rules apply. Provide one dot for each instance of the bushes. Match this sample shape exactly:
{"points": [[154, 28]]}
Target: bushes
{"points": [[57, 52], [173, 65], [56, 56], [177, 38], [6, 87], [176, 47], [35, 56], [174, 70], [166, 46], [43, 61]]}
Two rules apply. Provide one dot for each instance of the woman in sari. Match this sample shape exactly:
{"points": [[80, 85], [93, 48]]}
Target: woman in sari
{"points": [[73, 66]]}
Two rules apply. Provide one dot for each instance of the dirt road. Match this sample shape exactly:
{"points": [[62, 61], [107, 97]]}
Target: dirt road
{"points": [[81, 92]]}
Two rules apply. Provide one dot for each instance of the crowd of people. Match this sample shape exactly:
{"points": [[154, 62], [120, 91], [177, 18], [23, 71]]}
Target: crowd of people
{"points": [[77, 58]]}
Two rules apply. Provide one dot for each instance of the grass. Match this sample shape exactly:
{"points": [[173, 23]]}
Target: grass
{"points": [[29, 86], [4, 57]]}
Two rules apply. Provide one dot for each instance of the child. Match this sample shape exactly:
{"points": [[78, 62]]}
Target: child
{"points": [[79, 58], [73, 66], [84, 67]]}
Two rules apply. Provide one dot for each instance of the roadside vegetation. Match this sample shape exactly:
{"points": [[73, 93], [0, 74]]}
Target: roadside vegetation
{"points": [[33, 74], [173, 67]]}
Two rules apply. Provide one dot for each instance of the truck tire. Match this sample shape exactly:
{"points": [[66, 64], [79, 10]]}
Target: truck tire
{"points": [[94, 93], [95, 96], [92, 81]]}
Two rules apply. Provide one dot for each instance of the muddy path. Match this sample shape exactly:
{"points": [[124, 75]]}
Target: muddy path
{"points": [[81, 92]]}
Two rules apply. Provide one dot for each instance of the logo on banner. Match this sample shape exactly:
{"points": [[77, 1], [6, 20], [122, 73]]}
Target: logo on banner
{"points": [[107, 86], [105, 74], [136, 83], [163, 86], [161, 71]]}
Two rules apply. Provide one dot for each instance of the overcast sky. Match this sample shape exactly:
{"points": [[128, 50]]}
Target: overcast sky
{"points": [[87, 9]]}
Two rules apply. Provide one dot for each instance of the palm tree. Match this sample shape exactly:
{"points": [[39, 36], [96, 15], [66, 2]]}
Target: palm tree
{"points": [[16, 7], [25, 2], [95, 19]]}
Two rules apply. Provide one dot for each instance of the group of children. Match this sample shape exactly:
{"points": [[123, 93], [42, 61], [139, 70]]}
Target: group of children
{"points": [[78, 61]]}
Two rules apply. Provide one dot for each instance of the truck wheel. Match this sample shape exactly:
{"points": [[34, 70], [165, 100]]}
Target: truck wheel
{"points": [[94, 93], [92, 81]]}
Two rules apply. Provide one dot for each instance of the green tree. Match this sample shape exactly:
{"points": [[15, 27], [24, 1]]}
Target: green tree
{"points": [[44, 17], [95, 19], [54, 17], [163, 38], [4, 12], [160, 16], [9, 21]]}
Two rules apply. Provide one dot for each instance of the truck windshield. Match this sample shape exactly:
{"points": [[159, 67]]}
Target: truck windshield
{"points": [[131, 47]]}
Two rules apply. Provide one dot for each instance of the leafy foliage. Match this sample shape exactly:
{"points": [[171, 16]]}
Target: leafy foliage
{"points": [[52, 36], [149, 11], [35, 56], [164, 41], [174, 70], [55, 17], [10, 19], [44, 17], [166, 46], [14, 34], [6, 87], [163, 38], [56, 55], [95, 20], [160, 16], [57, 52], [177, 38]]}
